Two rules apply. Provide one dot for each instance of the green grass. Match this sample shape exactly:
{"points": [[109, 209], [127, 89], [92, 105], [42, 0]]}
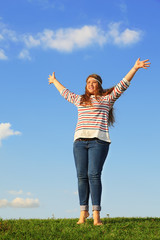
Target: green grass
{"points": [[67, 229]]}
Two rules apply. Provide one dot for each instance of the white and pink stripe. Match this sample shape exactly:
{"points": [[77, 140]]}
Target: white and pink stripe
{"points": [[93, 120]]}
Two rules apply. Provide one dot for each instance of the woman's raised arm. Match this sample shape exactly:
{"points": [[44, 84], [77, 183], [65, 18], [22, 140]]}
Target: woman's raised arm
{"points": [[138, 64], [57, 84]]}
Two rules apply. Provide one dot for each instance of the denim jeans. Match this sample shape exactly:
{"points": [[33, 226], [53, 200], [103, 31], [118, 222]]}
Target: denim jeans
{"points": [[89, 159]]}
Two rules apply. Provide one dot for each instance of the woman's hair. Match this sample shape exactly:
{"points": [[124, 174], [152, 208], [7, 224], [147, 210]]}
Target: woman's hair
{"points": [[86, 100]]}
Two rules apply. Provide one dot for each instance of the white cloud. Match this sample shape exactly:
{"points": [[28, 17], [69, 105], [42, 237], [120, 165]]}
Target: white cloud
{"points": [[6, 131], [72, 210], [10, 35], [128, 37], [24, 203], [12, 192], [20, 192], [30, 41], [3, 203], [2, 55], [67, 39], [123, 38], [24, 54], [76, 193], [20, 203]]}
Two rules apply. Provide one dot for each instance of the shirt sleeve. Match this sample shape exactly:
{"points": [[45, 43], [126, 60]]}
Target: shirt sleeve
{"points": [[117, 91], [70, 96]]}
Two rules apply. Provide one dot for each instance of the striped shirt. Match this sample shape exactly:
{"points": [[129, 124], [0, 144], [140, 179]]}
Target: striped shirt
{"points": [[93, 120]]}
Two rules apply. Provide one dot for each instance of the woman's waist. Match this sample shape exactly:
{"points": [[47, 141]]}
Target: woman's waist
{"points": [[86, 139]]}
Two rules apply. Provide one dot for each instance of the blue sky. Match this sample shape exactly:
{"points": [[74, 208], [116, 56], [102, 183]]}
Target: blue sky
{"points": [[75, 39]]}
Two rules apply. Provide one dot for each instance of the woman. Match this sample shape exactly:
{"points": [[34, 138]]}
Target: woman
{"points": [[91, 139]]}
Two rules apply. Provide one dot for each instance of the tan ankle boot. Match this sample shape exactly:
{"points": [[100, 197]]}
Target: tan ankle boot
{"points": [[96, 216], [83, 216]]}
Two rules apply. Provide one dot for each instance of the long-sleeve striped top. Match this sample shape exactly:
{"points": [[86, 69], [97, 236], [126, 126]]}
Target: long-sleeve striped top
{"points": [[93, 120]]}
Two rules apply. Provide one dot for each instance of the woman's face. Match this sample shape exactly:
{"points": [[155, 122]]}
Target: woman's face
{"points": [[92, 85]]}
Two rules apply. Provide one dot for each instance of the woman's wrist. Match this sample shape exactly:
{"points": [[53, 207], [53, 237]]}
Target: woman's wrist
{"points": [[135, 69], [53, 81]]}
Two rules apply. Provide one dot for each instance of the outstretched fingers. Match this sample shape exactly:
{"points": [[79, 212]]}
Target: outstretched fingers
{"points": [[146, 60], [146, 63], [51, 78]]}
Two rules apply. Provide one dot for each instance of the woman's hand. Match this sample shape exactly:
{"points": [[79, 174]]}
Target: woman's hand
{"points": [[142, 64], [56, 83], [139, 64], [52, 78]]}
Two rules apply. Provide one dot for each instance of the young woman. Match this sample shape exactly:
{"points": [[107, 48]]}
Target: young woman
{"points": [[91, 139]]}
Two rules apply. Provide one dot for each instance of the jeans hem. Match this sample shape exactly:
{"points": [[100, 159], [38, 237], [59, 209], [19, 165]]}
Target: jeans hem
{"points": [[96, 208], [84, 207]]}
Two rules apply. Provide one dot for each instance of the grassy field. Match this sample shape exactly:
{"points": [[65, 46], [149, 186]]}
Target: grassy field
{"points": [[67, 229]]}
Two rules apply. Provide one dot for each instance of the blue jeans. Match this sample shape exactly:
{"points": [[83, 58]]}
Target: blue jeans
{"points": [[89, 159]]}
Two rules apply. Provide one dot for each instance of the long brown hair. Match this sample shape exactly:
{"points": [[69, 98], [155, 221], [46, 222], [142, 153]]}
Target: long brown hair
{"points": [[86, 100]]}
